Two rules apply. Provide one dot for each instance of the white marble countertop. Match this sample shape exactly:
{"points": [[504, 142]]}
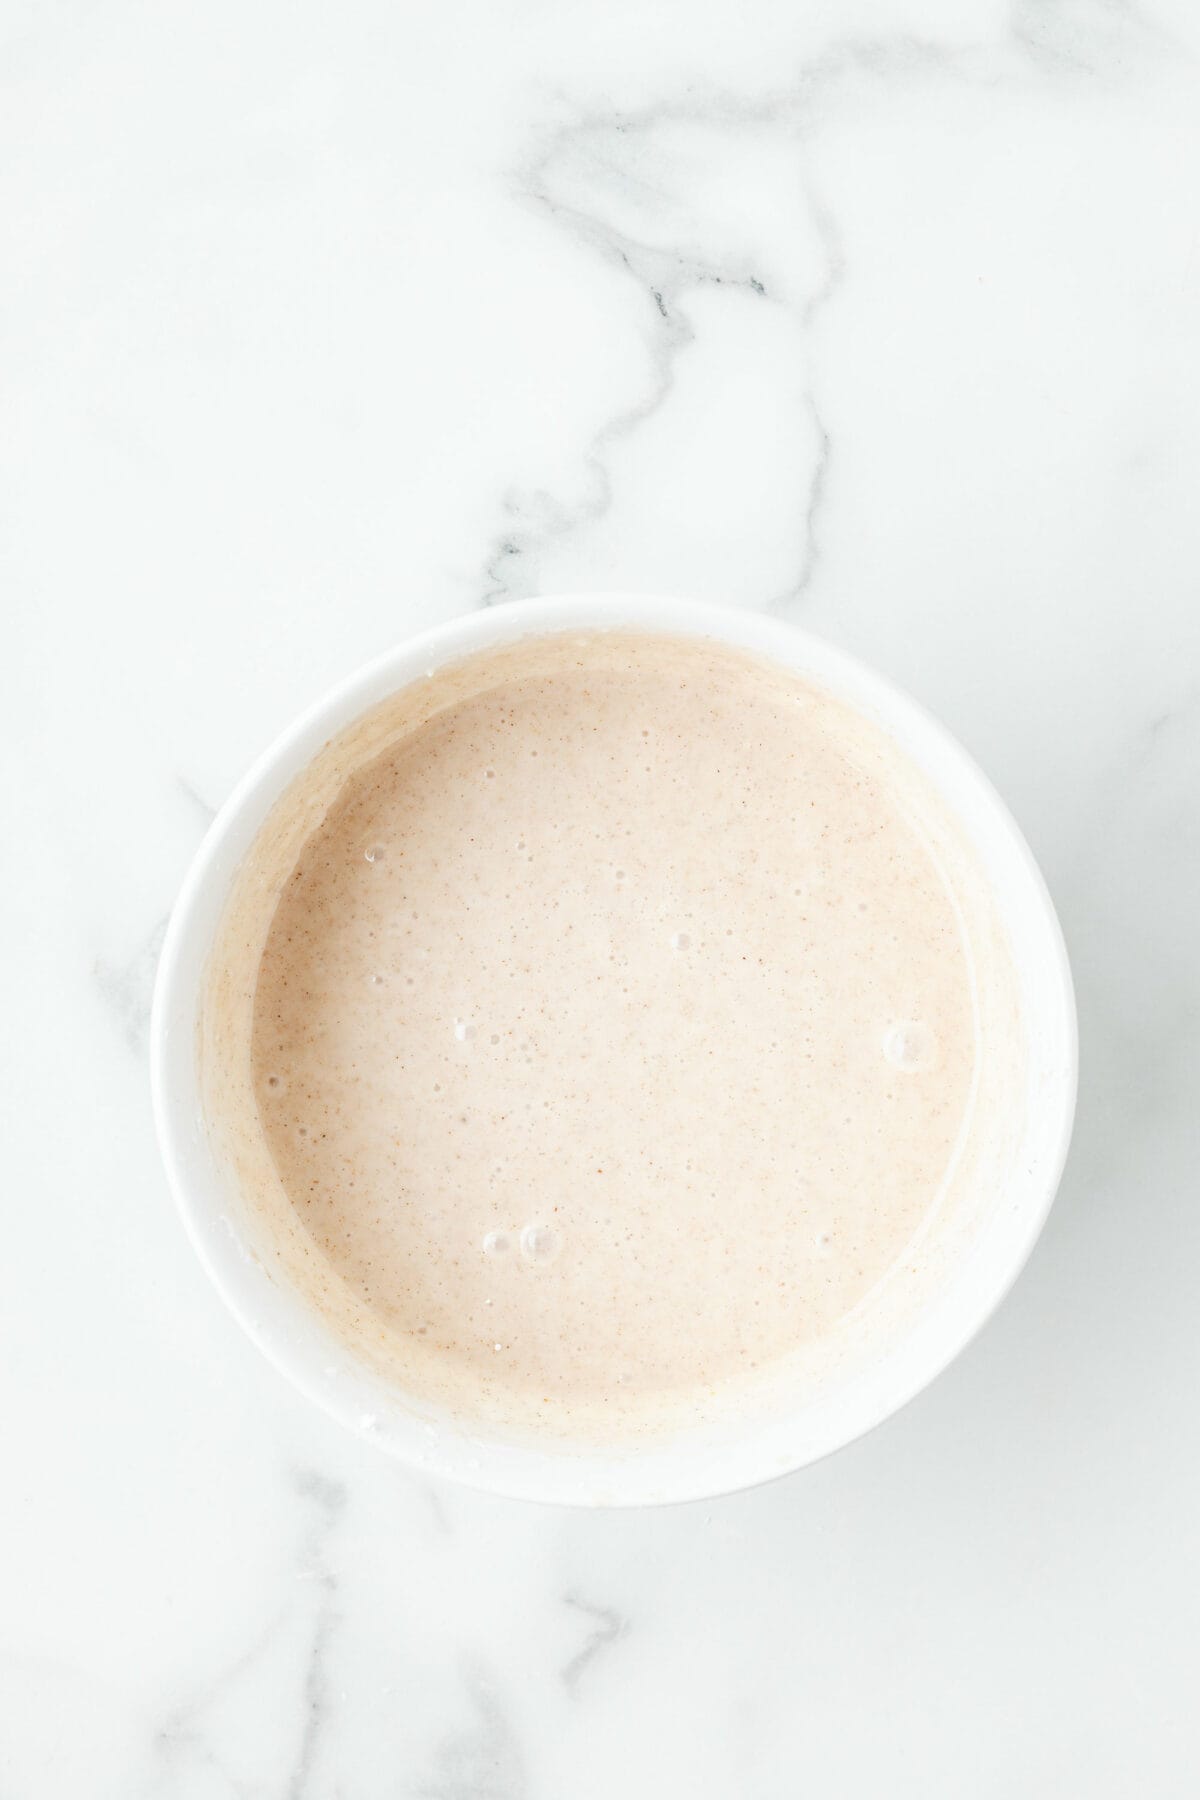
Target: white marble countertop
{"points": [[325, 323]]}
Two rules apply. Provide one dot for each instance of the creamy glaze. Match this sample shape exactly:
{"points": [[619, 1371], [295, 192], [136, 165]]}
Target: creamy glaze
{"points": [[615, 1033]]}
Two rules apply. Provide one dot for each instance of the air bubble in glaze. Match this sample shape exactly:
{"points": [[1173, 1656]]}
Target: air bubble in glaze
{"points": [[680, 940], [910, 1046], [497, 1243], [374, 853], [539, 1243], [463, 1030]]}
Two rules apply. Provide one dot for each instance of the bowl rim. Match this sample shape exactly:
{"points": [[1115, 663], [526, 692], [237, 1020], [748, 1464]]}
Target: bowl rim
{"points": [[555, 1472]]}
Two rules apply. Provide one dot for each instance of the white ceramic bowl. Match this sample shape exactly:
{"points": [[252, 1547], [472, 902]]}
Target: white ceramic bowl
{"points": [[296, 1340]]}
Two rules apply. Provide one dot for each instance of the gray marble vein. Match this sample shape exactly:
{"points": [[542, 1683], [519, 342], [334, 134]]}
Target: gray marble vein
{"points": [[810, 315], [482, 1759], [204, 810], [604, 155], [184, 1746], [1086, 37], [127, 989], [597, 155], [328, 1500], [194, 1745], [607, 1628]]}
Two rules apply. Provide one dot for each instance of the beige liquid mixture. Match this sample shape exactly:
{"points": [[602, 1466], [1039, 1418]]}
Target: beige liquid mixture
{"points": [[607, 1016]]}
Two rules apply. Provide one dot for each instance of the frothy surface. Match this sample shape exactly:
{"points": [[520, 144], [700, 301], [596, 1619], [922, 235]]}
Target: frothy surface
{"points": [[615, 1031]]}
